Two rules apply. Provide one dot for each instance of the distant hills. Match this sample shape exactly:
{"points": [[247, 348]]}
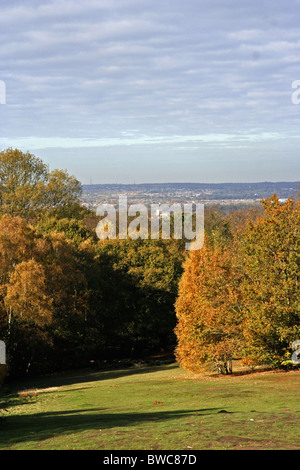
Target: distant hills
{"points": [[206, 191]]}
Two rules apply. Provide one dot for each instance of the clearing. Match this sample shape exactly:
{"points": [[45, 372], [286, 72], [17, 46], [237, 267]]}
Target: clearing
{"points": [[152, 408]]}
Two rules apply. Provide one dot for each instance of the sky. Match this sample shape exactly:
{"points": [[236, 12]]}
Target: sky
{"points": [[134, 91]]}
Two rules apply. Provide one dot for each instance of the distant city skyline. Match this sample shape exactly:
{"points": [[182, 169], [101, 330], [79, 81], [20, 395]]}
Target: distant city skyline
{"points": [[140, 91]]}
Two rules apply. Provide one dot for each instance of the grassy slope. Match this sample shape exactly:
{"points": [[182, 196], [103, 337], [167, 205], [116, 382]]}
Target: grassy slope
{"points": [[160, 407]]}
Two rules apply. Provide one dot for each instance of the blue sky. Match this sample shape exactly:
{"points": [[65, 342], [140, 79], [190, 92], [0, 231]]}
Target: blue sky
{"points": [[153, 90]]}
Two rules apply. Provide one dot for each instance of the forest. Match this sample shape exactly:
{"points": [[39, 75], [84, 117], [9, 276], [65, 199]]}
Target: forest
{"points": [[68, 298]]}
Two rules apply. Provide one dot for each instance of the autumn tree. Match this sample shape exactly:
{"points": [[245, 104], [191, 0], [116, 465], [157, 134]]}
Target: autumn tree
{"points": [[27, 186], [43, 296], [270, 257], [208, 307], [208, 310], [244, 298], [25, 304], [26, 293]]}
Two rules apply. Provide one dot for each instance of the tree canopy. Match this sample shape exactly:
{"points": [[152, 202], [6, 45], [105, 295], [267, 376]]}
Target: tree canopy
{"points": [[27, 186]]}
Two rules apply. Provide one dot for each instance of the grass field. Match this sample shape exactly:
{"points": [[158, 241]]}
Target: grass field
{"points": [[152, 408]]}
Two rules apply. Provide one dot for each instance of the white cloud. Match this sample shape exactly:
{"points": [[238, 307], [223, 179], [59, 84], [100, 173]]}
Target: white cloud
{"points": [[130, 139], [246, 34]]}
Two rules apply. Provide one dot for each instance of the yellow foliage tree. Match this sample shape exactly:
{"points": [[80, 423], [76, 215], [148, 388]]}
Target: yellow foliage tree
{"points": [[26, 293]]}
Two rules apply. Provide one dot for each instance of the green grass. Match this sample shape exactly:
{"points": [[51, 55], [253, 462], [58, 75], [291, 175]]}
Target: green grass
{"points": [[152, 408]]}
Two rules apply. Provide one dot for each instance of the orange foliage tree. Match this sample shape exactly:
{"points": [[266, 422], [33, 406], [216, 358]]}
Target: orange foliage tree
{"points": [[208, 310]]}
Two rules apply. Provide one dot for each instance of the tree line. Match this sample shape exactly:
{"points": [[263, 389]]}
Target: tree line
{"points": [[67, 298]]}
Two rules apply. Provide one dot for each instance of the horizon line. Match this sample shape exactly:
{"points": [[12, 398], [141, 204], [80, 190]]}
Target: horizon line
{"points": [[191, 182]]}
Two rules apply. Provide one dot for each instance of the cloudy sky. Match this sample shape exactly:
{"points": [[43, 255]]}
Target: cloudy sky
{"points": [[153, 90]]}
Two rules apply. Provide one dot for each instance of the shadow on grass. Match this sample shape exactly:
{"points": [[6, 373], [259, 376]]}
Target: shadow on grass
{"points": [[84, 375], [9, 396], [41, 426]]}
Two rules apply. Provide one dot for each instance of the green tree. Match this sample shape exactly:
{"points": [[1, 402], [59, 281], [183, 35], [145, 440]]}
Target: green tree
{"points": [[72, 228], [217, 228], [137, 290]]}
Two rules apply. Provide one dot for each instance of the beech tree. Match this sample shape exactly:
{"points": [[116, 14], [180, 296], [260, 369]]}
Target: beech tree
{"points": [[208, 310]]}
